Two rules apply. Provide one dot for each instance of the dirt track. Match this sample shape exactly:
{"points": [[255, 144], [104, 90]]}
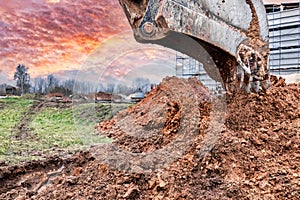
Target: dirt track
{"points": [[22, 129], [257, 155]]}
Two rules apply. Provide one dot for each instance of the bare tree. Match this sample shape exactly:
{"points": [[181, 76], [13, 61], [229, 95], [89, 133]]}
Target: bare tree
{"points": [[142, 84], [22, 78], [52, 82], [123, 89], [39, 85], [69, 84]]}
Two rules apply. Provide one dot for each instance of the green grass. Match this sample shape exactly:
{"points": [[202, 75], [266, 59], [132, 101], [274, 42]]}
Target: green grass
{"points": [[60, 125], [51, 130], [11, 110]]}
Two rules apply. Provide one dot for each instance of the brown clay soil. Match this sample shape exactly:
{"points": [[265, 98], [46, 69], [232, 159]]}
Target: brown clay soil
{"points": [[256, 154]]}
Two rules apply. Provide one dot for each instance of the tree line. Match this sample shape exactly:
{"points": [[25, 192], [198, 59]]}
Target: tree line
{"points": [[51, 84]]}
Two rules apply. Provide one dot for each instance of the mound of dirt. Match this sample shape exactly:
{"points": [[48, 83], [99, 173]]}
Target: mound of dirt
{"points": [[155, 121], [256, 154]]}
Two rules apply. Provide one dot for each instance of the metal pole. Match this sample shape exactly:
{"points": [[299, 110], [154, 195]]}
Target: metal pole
{"points": [[273, 35], [280, 42], [298, 67]]}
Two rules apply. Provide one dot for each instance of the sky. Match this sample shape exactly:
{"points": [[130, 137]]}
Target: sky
{"points": [[279, 1], [57, 36]]}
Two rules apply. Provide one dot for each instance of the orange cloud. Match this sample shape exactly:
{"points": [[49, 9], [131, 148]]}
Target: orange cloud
{"points": [[53, 36]]}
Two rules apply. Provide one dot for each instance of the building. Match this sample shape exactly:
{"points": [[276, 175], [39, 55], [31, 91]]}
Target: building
{"points": [[284, 27], [189, 67], [10, 90]]}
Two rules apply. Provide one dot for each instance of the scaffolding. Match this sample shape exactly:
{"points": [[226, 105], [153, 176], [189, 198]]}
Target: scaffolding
{"points": [[188, 67], [284, 27]]}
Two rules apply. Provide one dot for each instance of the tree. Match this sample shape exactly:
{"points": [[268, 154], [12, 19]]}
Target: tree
{"points": [[52, 82], [110, 88], [22, 78], [69, 84], [142, 84], [123, 89], [39, 85]]}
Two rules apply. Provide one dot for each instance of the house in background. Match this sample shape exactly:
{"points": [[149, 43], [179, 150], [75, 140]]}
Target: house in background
{"points": [[10, 90]]}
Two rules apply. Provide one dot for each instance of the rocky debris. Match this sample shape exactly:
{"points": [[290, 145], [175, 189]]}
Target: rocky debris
{"points": [[256, 156]]}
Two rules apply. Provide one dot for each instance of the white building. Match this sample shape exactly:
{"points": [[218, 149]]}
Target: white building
{"points": [[284, 27]]}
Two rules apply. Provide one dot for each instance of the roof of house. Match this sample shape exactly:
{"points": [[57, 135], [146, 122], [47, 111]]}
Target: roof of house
{"points": [[10, 87]]}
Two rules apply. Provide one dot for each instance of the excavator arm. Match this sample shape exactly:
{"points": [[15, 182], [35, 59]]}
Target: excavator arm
{"points": [[233, 32]]}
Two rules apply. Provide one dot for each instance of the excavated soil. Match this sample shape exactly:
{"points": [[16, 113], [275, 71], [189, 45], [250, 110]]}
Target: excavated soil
{"points": [[256, 154]]}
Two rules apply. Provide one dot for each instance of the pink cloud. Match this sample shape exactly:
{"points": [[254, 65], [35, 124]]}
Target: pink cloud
{"points": [[50, 37]]}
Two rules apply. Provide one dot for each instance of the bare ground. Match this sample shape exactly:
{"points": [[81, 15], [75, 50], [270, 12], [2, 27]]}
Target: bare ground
{"points": [[256, 155]]}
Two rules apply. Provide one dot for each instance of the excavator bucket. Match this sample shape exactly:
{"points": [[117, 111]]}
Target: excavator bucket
{"points": [[233, 32]]}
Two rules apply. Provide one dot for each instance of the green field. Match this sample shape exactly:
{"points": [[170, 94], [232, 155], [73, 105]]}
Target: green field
{"points": [[31, 129]]}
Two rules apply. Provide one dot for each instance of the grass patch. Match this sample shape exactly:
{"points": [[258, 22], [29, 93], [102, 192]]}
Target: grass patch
{"points": [[52, 130], [54, 127], [11, 111]]}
